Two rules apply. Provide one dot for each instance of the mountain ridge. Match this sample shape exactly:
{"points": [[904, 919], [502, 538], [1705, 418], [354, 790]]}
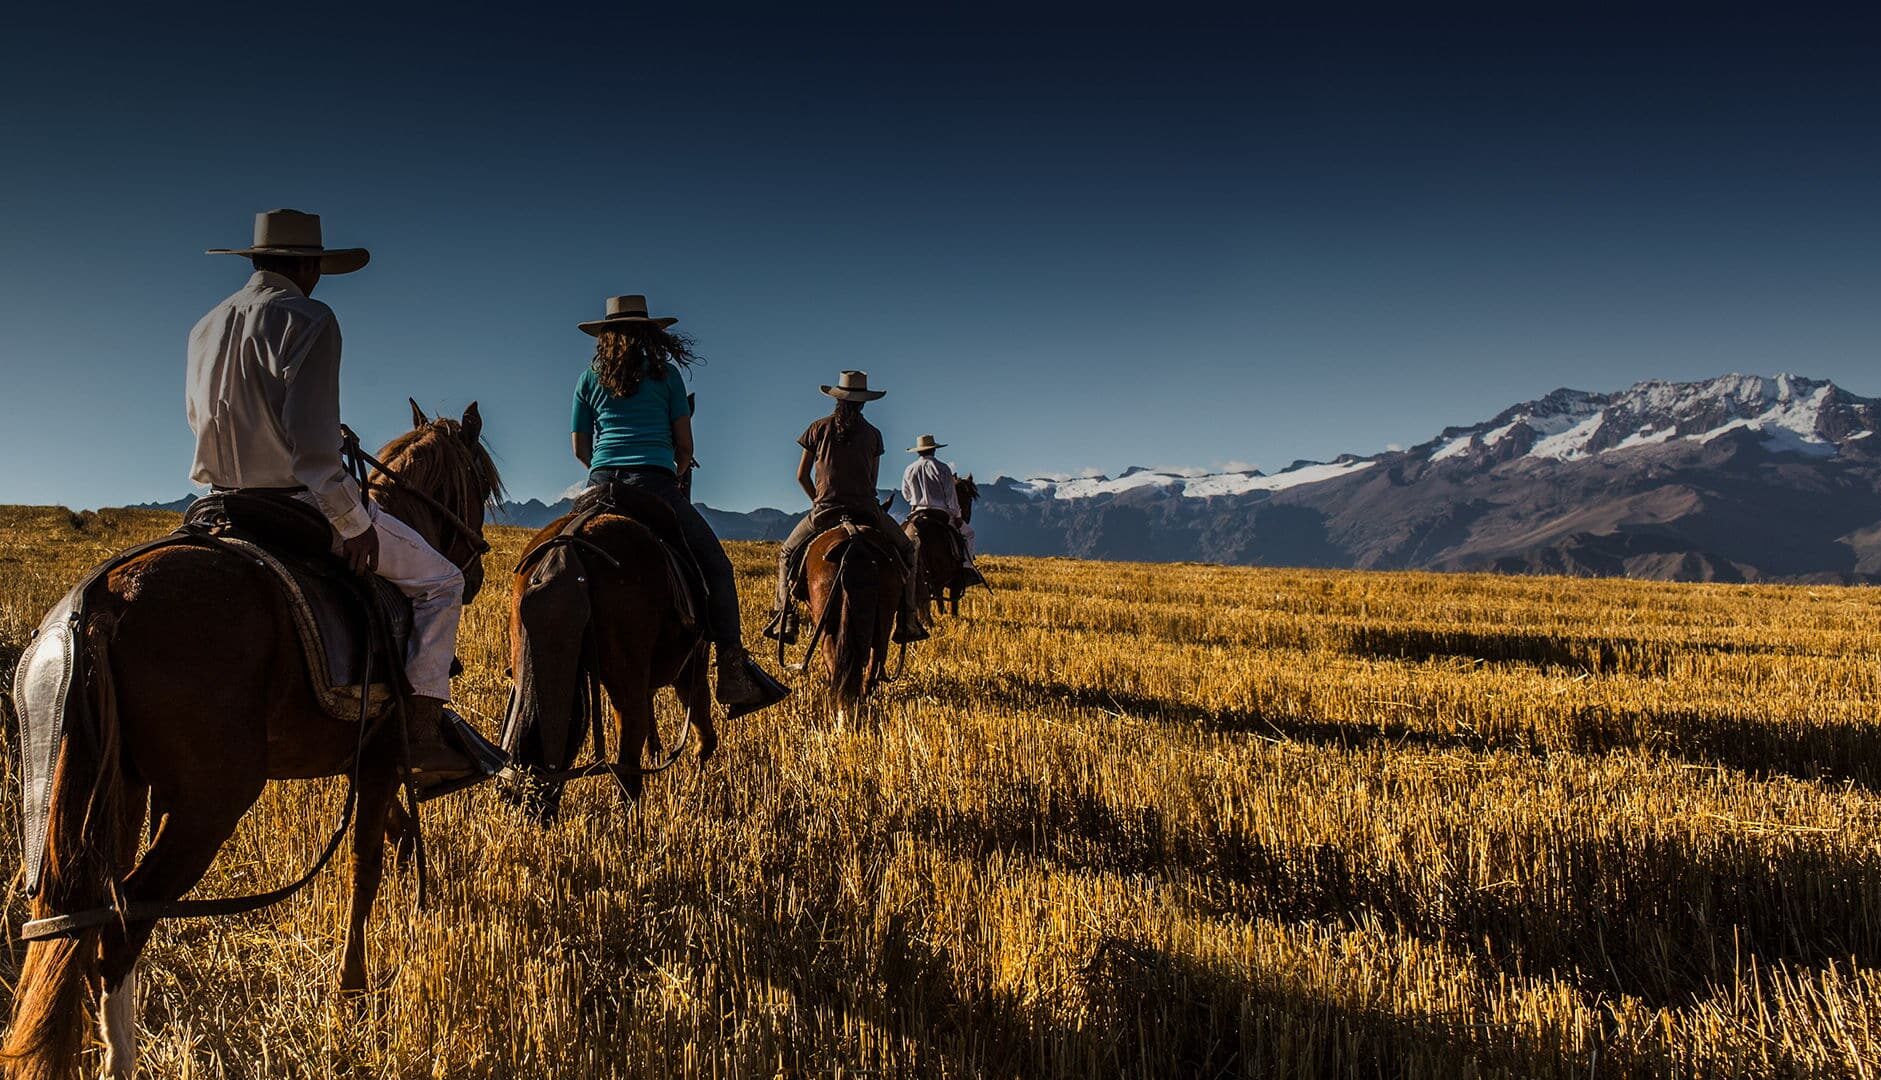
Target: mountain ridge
{"points": [[1735, 478]]}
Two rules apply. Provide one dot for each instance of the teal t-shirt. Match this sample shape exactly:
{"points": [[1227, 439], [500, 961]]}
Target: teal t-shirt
{"points": [[635, 430]]}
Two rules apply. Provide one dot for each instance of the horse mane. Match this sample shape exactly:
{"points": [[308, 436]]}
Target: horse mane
{"points": [[435, 457]]}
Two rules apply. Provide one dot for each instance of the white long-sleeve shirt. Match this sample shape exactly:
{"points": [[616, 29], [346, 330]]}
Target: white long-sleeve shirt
{"points": [[263, 398], [929, 485]]}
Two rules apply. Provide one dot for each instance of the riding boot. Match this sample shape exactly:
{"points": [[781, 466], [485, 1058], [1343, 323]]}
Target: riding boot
{"points": [[970, 576], [909, 625], [743, 686], [447, 754]]}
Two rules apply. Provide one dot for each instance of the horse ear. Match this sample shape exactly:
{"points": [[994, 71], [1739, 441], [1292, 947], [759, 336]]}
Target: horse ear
{"points": [[418, 417], [473, 423]]}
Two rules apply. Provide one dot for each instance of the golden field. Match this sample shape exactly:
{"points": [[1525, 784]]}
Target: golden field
{"points": [[1122, 819]]}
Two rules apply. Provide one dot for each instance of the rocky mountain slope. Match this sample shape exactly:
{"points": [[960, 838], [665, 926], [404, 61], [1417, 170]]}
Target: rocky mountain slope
{"points": [[1740, 478]]}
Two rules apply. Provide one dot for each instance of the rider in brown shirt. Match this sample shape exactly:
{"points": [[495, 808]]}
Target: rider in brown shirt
{"points": [[842, 457]]}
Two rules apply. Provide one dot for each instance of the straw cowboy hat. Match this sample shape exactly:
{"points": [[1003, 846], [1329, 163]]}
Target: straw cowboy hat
{"points": [[622, 310], [293, 232], [925, 443], [853, 386]]}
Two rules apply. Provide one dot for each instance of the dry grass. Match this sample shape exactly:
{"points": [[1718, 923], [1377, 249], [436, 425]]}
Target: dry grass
{"points": [[1126, 819]]}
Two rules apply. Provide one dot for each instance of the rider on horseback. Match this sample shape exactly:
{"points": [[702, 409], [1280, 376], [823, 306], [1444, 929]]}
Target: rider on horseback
{"points": [[633, 426], [931, 489], [842, 456], [264, 404]]}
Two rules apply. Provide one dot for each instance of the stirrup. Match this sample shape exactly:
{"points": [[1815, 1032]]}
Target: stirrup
{"points": [[485, 758], [908, 631], [782, 627], [766, 691]]}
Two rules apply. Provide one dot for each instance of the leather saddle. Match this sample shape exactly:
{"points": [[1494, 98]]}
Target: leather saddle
{"points": [[928, 523], [652, 512], [839, 518], [335, 610]]}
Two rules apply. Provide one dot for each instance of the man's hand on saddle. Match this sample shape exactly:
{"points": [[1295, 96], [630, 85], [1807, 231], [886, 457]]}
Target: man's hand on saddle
{"points": [[362, 552]]}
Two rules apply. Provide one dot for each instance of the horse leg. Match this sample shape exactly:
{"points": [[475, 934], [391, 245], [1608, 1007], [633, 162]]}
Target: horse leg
{"points": [[697, 692], [195, 825], [632, 698], [401, 832], [378, 784], [656, 746]]}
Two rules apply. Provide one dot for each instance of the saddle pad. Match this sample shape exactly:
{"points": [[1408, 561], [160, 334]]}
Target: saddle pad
{"points": [[42, 687], [331, 621], [649, 510]]}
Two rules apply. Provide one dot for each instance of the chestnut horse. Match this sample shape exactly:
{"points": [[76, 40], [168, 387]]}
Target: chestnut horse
{"points": [[201, 695], [942, 572], [611, 614], [854, 588]]}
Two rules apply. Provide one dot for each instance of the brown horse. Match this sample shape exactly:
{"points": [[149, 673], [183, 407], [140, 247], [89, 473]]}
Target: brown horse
{"points": [[201, 694], [854, 588], [611, 613], [943, 574]]}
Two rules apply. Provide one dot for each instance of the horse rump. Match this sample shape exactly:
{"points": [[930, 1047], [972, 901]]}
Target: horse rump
{"points": [[87, 829], [855, 593]]}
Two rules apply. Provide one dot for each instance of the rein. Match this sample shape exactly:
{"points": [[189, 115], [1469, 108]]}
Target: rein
{"points": [[361, 458]]}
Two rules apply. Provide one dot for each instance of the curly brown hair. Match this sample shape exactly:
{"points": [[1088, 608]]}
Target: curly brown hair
{"points": [[626, 355], [847, 414]]}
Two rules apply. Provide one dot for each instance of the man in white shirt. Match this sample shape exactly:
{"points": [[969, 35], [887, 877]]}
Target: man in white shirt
{"points": [[928, 484], [264, 403]]}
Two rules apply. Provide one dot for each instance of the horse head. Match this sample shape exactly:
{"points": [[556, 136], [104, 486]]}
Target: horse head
{"points": [[965, 491], [442, 480]]}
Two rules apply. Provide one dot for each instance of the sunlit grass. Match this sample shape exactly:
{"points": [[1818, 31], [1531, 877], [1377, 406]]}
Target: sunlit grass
{"points": [[1149, 820]]}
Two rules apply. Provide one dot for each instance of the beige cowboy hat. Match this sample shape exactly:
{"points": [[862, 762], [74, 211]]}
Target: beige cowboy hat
{"points": [[622, 310], [294, 232], [925, 443], [853, 386]]}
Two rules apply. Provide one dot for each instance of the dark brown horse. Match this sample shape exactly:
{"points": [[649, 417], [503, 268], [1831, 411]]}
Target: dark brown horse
{"points": [[611, 612], [943, 573], [201, 695], [854, 587]]}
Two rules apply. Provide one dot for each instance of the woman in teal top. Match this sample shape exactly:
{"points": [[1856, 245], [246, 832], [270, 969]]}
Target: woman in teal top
{"points": [[632, 425], [635, 430]]}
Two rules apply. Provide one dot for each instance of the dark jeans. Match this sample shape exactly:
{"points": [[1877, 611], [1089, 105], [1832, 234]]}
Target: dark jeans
{"points": [[720, 585]]}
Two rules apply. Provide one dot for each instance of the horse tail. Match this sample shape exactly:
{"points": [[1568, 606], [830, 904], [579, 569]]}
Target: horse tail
{"points": [[86, 830], [854, 593]]}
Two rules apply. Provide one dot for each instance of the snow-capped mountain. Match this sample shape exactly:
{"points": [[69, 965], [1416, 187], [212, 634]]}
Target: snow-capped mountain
{"points": [[1789, 413], [1742, 477]]}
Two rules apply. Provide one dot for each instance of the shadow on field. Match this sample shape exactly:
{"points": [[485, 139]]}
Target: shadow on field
{"points": [[1503, 645], [1024, 694], [1823, 751], [883, 995], [1620, 913], [1820, 751]]}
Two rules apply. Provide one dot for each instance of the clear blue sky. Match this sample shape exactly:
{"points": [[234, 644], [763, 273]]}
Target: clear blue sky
{"points": [[1156, 237]]}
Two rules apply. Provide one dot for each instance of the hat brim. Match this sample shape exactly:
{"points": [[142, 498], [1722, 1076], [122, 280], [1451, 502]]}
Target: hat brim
{"points": [[332, 260], [593, 329], [925, 449], [840, 394]]}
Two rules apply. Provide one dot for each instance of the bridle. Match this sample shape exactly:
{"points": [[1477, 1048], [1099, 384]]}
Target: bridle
{"points": [[371, 473]]}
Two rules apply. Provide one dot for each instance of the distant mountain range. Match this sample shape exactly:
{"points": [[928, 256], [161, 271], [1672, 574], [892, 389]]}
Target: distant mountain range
{"points": [[1739, 478]]}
